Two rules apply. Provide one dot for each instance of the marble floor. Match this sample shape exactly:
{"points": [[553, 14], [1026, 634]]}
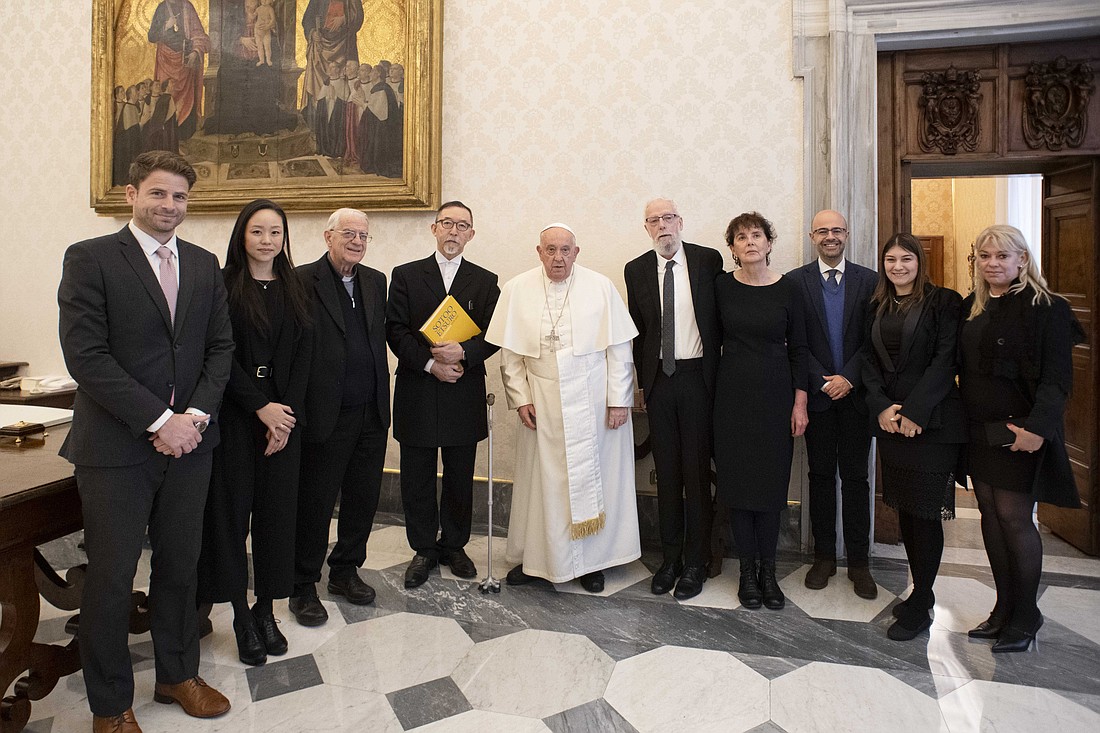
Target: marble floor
{"points": [[445, 657]]}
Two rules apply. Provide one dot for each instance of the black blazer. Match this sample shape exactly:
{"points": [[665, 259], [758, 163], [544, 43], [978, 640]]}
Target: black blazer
{"points": [[859, 284], [326, 374], [922, 380], [643, 297], [124, 352], [426, 411]]}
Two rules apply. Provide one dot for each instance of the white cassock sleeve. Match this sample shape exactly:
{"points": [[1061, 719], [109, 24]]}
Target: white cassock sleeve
{"points": [[513, 372], [620, 375]]}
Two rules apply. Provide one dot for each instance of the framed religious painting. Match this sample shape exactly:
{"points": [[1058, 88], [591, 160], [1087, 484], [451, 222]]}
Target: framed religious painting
{"points": [[314, 103]]}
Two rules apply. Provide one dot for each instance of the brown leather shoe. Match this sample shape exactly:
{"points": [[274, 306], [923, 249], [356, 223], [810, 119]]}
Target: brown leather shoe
{"points": [[125, 723], [198, 699], [819, 573], [866, 587]]}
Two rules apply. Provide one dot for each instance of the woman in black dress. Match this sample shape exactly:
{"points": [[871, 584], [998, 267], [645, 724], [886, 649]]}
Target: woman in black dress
{"points": [[909, 373], [255, 475], [1016, 373], [760, 401]]}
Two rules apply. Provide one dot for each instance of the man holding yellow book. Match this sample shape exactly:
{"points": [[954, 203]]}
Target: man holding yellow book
{"points": [[439, 395]]}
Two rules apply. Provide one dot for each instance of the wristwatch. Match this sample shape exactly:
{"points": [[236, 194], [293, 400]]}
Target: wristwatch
{"points": [[200, 425]]}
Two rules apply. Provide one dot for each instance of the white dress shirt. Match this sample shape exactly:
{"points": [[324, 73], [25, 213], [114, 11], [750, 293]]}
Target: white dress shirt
{"points": [[447, 269], [826, 267], [689, 343]]}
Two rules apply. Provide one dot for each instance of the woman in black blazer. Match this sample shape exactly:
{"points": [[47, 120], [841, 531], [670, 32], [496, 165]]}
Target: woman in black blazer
{"points": [[254, 483], [1016, 372], [909, 373]]}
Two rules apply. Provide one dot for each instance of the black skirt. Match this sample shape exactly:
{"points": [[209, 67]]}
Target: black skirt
{"points": [[918, 478]]}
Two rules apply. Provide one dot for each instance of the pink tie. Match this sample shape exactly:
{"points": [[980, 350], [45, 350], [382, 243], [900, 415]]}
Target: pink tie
{"points": [[168, 279]]}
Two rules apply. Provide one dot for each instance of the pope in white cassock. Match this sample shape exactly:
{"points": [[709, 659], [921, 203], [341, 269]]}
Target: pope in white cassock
{"points": [[565, 334]]}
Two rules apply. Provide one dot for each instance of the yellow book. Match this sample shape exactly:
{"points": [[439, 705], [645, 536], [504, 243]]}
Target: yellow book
{"points": [[449, 323]]}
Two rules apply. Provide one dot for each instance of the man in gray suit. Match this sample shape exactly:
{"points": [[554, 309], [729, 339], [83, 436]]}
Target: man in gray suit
{"points": [[836, 293], [145, 332]]}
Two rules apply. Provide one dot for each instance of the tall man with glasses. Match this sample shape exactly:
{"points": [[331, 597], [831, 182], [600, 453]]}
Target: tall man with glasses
{"points": [[670, 293], [439, 395], [347, 415], [836, 293]]}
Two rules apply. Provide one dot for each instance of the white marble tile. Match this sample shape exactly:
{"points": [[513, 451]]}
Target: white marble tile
{"points": [[221, 646], [718, 592], [837, 600], [993, 706], [1074, 608], [533, 673], [945, 659], [615, 579], [961, 603], [695, 692], [1085, 566], [386, 548], [481, 721], [478, 550], [967, 513], [393, 652], [832, 697]]}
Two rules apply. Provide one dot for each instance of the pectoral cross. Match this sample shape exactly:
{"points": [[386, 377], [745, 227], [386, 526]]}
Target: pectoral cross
{"points": [[555, 339]]}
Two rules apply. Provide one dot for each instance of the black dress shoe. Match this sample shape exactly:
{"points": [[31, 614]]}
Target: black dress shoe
{"points": [[915, 601], [351, 588], [273, 639], [1013, 639], [665, 577], [909, 625], [459, 563], [250, 647], [516, 576], [308, 610], [991, 628], [417, 572], [691, 582], [593, 582]]}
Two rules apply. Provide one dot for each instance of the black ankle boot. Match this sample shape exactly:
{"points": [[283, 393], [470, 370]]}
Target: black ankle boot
{"points": [[250, 646], [769, 586], [748, 591]]}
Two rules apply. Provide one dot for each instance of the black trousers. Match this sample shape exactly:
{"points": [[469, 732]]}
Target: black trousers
{"points": [[450, 518], [839, 437], [349, 465], [680, 428], [167, 496]]}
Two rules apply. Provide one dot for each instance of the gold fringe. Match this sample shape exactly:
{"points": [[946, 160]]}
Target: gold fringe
{"points": [[587, 528]]}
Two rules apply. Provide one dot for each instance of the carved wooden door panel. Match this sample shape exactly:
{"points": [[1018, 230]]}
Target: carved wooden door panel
{"points": [[1071, 213]]}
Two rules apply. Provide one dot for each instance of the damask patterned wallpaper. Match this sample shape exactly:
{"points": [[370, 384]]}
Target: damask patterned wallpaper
{"points": [[573, 110]]}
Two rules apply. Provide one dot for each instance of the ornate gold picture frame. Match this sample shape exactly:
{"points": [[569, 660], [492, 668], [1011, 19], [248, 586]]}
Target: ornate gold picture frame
{"points": [[316, 104]]}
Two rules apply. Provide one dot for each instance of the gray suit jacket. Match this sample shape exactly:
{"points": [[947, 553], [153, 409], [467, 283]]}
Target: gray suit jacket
{"points": [[124, 352]]}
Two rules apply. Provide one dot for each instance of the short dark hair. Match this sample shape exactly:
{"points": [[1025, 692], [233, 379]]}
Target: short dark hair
{"points": [[160, 160], [749, 220], [459, 204]]}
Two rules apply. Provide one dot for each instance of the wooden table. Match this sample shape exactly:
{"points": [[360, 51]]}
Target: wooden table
{"points": [[38, 503], [63, 399]]}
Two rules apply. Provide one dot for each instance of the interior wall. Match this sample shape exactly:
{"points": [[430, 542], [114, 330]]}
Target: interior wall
{"points": [[934, 216], [975, 209], [574, 110]]}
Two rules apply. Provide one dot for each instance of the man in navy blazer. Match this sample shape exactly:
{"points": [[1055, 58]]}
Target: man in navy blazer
{"points": [[145, 332], [347, 416], [439, 395], [678, 389], [836, 294]]}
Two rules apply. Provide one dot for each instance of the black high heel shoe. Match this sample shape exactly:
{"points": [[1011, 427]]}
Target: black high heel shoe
{"points": [[991, 628], [1016, 640]]}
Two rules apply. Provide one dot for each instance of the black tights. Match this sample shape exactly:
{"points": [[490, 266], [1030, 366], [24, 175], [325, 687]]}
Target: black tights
{"points": [[923, 540], [755, 533], [1015, 553]]}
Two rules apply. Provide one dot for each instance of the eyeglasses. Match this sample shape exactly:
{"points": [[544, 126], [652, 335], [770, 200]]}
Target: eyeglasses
{"points": [[666, 218], [353, 234], [835, 231], [462, 226]]}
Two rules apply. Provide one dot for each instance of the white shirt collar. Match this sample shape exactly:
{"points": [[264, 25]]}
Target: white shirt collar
{"points": [[679, 258], [825, 268], [443, 261], [150, 245]]}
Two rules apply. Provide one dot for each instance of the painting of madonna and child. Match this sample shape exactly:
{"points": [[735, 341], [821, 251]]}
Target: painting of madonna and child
{"points": [[285, 92]]}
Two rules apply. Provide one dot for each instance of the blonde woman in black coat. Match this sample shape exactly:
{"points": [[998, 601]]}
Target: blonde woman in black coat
{"points": [[1016, 371], [909, 374]]}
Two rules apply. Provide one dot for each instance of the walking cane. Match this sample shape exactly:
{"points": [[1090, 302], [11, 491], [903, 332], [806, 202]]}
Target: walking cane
{"points": [[490, 583]]}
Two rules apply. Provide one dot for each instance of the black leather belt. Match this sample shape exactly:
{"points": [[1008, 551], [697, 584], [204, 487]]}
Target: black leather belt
{"points": [[263, 372]]}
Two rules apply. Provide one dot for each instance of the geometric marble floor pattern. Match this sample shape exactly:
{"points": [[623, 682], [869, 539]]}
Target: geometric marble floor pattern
{"points": [[445, 658]]}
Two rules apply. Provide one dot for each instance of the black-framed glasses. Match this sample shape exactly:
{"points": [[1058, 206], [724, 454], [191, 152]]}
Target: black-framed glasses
{"points": [[353, 234], [835, 231], [666, 218], [462, 226]]}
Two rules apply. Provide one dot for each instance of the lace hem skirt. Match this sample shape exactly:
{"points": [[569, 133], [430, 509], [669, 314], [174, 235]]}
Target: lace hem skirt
{"points": [[919, 478]]}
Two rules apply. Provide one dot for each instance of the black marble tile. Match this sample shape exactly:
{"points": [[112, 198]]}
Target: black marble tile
{"points": [[620, 649], [921, 681], [767, 727], [428, 702], [770, 667], [1059, 660], [483, 632], [1092, 702], [278, 678], [597, 715]]}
